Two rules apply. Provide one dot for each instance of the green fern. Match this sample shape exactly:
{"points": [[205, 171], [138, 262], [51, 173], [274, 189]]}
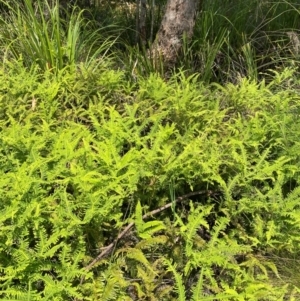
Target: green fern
{"points": [[179, 287]]}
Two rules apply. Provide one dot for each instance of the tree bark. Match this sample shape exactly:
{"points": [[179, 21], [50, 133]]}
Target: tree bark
{"points": [[141, 6], [178, 20]]}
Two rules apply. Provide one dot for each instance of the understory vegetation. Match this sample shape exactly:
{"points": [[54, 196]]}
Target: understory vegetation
{"points": [[124, 181]]}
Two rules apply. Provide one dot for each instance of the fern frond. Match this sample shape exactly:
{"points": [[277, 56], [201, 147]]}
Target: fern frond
{"points": [[198, 288], [179, 286], [137, 255]]}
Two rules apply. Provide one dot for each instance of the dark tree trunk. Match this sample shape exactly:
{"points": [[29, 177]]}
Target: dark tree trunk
{"points": [[141, 6], [179, 20]]}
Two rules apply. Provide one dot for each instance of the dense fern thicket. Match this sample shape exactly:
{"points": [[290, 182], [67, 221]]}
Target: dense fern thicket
{"points": [[118, 183], [86, 154]]}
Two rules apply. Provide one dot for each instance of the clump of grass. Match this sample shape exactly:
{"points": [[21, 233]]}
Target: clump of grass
{"points": [[36, 32], [242, 39]]}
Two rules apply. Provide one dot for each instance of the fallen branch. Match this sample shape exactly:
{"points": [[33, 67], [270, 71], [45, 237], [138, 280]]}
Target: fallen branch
{"points": [[110, 247]]}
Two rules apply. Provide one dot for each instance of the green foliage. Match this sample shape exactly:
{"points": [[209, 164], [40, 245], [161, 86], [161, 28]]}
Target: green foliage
{"points": [[36, 32], [84, 153], [98, 164], [146, 229]]}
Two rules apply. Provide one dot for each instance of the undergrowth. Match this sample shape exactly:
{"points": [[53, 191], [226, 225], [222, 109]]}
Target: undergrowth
{"points": [[150, 190], [120, 184]]}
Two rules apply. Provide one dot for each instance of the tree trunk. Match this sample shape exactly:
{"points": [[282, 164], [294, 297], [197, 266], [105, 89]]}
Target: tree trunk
{"points": [[141, 6], [179, 20]]}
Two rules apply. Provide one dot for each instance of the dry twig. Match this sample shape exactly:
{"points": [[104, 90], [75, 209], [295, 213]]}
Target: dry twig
{"points": [[111, 246]]}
